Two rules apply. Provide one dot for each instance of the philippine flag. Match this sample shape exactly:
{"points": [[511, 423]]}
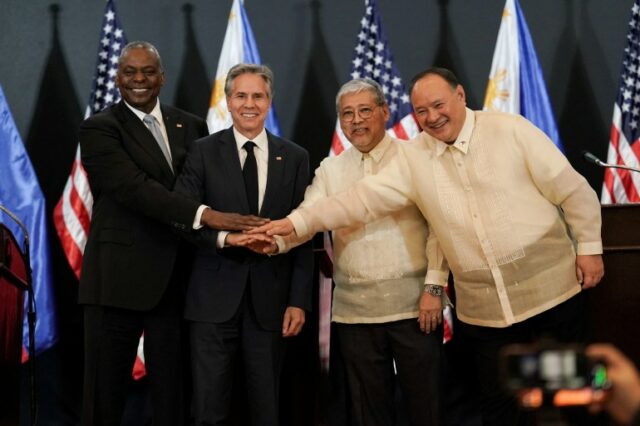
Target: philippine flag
{"points": [[516, 83]]}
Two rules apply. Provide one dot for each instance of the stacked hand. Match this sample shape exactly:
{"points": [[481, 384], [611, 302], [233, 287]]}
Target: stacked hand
{"points": [[259, 243], [281, 227], [257, 232], [230, 221]]}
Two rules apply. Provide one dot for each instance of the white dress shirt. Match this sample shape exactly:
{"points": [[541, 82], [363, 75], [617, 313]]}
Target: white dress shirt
{"points": [[261, 152]]}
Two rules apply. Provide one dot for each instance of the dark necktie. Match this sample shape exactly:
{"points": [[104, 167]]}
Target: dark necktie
{"points": [[250, 173]]}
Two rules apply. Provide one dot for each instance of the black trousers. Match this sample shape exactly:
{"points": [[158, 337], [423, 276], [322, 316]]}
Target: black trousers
{"points": [[569, 322], [369, 351], [216, 347], [111, 341]]}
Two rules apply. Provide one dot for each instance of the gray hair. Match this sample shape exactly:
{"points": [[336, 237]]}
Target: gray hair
{"points": [[257, 69], [358, 85], [140, 45]]}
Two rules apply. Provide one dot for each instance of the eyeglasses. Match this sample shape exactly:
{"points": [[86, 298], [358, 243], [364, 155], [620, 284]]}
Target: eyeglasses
{"points": [[364, 113]]}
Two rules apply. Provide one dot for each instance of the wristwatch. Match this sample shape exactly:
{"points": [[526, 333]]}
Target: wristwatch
{"points": [[434, 290]]}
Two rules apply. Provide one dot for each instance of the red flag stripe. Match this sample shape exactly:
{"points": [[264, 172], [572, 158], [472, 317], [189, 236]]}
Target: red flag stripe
{"points": [[139, 368], [608, 193], [72, 216], [621, 186], [79, 198], [71, 250]]}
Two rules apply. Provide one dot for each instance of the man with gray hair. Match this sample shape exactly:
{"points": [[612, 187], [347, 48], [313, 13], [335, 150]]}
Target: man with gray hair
{"points": [[242, 305], [134, 267], [379, 274]]}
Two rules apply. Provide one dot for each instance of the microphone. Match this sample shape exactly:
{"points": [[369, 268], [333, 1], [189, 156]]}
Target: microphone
{"points": [[593, 159], [589, 157]]}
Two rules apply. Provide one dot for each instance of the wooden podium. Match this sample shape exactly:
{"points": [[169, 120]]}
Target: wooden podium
{"points": [[616, 300]]}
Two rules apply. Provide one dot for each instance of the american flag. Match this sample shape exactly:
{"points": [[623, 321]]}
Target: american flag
{"points": [[72, 214], [373, 59], [622, 186]]}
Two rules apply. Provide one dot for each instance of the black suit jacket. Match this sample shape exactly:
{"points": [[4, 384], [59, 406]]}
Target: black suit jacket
{"points": [[213, 175], [131, 249]]}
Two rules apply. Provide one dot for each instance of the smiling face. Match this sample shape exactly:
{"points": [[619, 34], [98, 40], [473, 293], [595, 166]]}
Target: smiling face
{"points": [[363, 133], [440, 108], [140, 78], [249, 102]]}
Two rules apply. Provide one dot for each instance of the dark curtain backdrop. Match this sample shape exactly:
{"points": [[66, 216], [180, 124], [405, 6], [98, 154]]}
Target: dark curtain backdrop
{"points": [[579, 44]]}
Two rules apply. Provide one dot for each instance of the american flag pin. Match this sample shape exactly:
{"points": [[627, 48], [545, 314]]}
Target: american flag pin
{"points": [[278, 158], [179, 125]]}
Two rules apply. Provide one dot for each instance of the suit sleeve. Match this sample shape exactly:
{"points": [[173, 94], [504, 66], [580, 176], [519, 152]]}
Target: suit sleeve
{"points": [[190, 184], [112, 171], [300, 293]]}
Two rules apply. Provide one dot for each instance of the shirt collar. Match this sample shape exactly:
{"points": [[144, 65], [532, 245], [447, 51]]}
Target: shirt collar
{"points": [[376, 153], [464, 137], [156, 112], [261, 140]]}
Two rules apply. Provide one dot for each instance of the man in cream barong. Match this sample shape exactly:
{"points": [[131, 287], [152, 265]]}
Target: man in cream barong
{"points": [[379, 274]]}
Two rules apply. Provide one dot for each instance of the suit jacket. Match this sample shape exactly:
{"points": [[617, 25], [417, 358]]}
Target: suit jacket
{"points": [[131, 249], [213, 175]]}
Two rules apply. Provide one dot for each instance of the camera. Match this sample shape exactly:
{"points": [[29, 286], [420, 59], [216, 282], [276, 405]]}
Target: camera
{"points": [[551, 374]]}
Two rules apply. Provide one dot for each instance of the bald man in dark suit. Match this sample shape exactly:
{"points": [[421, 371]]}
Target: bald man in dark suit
{"points": [[135, 264]]}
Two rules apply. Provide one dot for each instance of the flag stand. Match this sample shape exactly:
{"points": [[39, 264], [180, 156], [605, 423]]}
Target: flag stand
{"points": [[24, 284]]}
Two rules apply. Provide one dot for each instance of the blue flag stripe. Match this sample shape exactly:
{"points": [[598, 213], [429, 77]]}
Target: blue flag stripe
{"points": [[251, 55], [534, 100], [20, 193]]}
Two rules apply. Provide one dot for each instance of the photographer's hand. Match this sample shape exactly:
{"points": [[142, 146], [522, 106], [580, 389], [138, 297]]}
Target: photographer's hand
{"points": [[622, 401]]}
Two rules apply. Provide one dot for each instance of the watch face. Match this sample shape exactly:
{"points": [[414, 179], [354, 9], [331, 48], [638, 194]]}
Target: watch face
{"points": [[434, 290]]}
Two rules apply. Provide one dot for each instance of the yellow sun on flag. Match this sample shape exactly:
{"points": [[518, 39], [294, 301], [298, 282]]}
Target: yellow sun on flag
{"points": [[218, 96], [494, 92]]}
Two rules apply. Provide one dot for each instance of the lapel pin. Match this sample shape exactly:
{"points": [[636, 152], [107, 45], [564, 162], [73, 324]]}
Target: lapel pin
{"points": [[278, 158], [179, 125]]}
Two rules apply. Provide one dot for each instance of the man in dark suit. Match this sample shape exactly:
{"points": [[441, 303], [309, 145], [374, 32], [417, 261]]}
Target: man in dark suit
{"points": [[240, 304], [135, 265]]}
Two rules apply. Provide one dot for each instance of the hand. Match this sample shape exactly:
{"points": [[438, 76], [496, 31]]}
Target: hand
{"points": [[265, 245], [622, 401], [293, 321], [589, 270], [238, 239], [282, 227], [430, 312], [259, 243], [230, 221]]}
